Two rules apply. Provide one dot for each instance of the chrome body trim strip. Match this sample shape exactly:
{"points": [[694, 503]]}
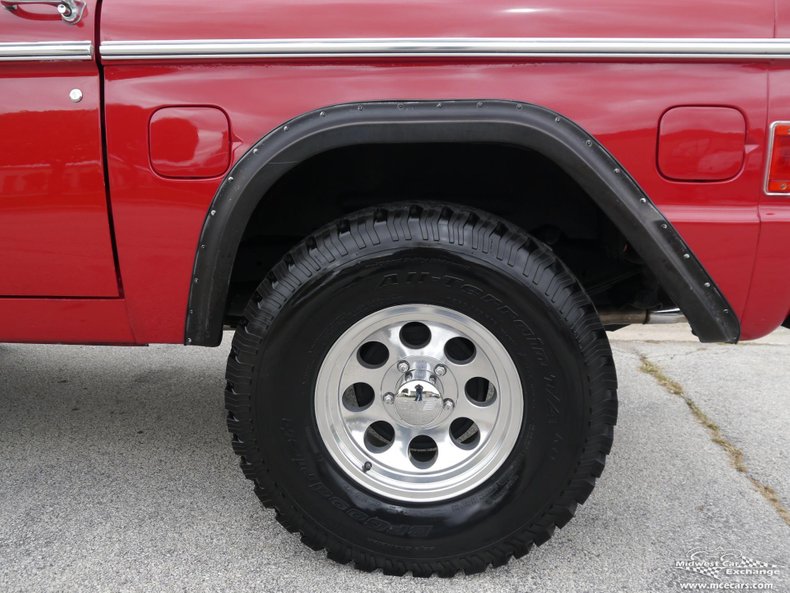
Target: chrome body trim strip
{"points": [[554, 48], [46, 51]]}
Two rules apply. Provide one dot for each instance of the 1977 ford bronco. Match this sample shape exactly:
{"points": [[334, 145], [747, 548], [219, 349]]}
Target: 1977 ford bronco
{"points": [[420, 218]]}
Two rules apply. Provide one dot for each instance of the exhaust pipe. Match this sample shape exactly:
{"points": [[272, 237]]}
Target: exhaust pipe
{"points": [[640, 316]]}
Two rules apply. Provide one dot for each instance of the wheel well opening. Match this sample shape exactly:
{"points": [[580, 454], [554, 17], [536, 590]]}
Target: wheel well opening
{"points": [[521, 186]]}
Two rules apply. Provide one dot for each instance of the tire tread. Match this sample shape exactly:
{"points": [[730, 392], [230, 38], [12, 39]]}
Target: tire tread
{"points": [[498, 243]]}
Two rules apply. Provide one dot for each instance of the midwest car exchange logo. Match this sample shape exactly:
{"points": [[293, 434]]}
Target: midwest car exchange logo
{"points": [[729, 570]]}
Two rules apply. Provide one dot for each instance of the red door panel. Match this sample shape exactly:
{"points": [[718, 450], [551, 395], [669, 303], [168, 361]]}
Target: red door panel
{"points": [[124, 20], [54, 227]]}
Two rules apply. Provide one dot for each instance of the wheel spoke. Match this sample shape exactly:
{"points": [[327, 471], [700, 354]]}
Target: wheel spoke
{"points": [[356, 372], [449, 453], [439, 337], [358, 421], [389, 336], [480, 366], [397, 455], [485, 416]]}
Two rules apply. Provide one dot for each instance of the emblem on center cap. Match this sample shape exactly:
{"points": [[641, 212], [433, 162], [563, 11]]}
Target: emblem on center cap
{"points": [[418, 400]]}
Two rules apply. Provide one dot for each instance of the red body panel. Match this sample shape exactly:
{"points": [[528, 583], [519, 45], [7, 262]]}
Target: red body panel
{"points": [[284, 19], [158, 220], [54, 231], [65, 321], [719, 221], [769, 293]]}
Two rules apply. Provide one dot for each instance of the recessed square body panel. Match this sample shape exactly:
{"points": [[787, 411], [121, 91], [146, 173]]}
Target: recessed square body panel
{"points": [[189, 142], [698, 143]]}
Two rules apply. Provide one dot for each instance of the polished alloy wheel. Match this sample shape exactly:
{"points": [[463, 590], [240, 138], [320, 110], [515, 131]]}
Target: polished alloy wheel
{"points": [[418, 403]]}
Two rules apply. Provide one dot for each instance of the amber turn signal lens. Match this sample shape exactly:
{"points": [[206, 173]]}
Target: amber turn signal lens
{"points": [[779, 168]]}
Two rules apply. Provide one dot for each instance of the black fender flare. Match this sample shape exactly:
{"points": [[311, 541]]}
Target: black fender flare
{"points": [[485, 121]]}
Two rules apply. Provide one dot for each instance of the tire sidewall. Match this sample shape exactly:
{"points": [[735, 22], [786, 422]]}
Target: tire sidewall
{"points": [[544, 349]]}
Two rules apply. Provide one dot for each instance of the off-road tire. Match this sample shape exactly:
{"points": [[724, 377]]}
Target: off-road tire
{"points": [[501, 277]]}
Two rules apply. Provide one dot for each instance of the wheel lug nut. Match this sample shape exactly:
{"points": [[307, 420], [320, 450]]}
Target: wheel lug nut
{"points": [[449, 404], [389, 398], [440, 370], [403, 366]]}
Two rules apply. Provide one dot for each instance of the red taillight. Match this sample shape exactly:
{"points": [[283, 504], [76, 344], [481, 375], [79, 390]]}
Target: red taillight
{"points": [[778, 181]]}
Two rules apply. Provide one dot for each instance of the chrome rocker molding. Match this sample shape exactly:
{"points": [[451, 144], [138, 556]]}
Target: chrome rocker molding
{"points": [[484, 121], [527, 47], [46, 51]]}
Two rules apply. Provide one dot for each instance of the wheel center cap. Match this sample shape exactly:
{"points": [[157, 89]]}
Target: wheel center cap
{"points": [[418, 403], [418, 400]]}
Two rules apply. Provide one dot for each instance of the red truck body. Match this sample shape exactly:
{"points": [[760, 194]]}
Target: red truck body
{"points": [[420, 216], [98, 242]]}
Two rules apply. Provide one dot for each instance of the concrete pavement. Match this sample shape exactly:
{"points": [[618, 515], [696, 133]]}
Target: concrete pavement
{"points": [[116, 474]]}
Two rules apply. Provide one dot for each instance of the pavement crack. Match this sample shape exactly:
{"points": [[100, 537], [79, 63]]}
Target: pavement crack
{"points": [[734, 453]]}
